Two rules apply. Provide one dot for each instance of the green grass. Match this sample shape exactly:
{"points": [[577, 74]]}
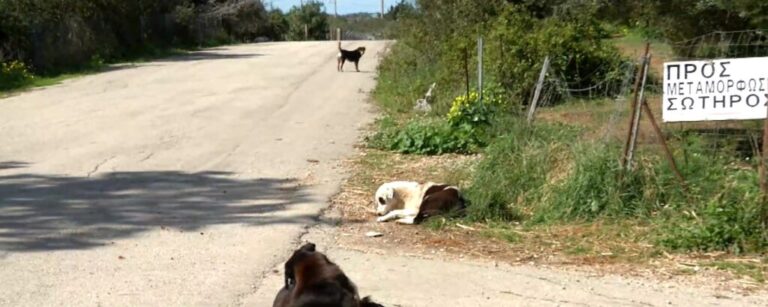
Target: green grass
{"points": [[559, 172]]}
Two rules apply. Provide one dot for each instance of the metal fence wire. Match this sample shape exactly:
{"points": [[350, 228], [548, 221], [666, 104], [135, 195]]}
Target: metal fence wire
{"points": [[740, 139]]}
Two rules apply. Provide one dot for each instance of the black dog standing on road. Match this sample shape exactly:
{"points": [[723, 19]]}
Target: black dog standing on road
{"points": [[349, 55], [312, 280]]}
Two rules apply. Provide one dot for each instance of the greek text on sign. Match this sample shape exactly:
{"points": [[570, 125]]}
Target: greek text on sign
{"points": [[723, 89]]}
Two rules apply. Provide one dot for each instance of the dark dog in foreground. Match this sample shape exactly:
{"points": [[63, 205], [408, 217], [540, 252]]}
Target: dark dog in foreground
{"points": [[311, 280], [349, 55]]}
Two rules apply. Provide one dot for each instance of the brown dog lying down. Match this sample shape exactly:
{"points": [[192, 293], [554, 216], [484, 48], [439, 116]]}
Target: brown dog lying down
{"points": [[311, 280]]}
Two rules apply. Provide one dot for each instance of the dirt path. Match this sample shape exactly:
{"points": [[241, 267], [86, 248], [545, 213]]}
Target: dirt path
{"points": [[178, 182]]}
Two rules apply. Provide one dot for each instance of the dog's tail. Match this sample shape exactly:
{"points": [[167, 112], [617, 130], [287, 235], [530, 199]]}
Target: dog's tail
{"points": [[339, 45], [367, 302]]}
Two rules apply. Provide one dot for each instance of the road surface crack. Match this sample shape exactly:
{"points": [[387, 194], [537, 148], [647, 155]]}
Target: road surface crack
{"points": [[147, 157], [97, 166]]}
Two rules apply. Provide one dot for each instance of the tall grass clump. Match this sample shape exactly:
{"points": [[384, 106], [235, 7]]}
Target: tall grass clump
{"points": [[598, 187], [547, 175], [725, 209], [514, 171]]}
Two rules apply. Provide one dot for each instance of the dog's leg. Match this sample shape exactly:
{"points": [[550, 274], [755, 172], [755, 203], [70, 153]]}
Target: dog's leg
{"points": [[341, 67], [410, 220], [358, 70], [396, 214]]}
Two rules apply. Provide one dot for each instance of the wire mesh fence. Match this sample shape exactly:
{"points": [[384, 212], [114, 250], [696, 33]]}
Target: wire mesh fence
{"points": [[611, 98]]}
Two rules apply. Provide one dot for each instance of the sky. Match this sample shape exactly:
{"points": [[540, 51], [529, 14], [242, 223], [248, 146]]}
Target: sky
{"points": [[344, 6]]}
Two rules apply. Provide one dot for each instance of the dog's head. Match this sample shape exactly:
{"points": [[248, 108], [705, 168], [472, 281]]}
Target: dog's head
{"points": [[311, 279], [304, 252], [361, 50], [392, 195], [385, 199]]}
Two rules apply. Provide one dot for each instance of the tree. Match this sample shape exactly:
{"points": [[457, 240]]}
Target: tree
{"points": [[278, 25], [310, 15], [402, 9]]}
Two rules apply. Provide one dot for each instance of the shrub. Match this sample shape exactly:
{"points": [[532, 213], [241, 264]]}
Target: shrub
{"points": [[425, 136], [516, 43], [14, 74], [473, 112]]}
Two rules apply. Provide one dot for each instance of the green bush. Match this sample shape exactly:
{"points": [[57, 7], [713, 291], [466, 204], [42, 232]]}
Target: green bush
{"points": [[465, 129], [63, 35], [516, 43], [470, 111], [14, 74], [426, 136], [310, 16]]}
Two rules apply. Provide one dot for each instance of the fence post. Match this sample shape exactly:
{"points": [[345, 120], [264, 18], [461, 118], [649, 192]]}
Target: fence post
{"points": [[663, 141], [306, 32], [466, 70], [479, 69], [537, 93], [636, 119], [636, 102], [763, 179], [338, 34]]}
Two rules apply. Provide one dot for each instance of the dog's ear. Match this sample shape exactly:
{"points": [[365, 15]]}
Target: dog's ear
{"points": [[309, 247], [390, 193], [297, 257]]}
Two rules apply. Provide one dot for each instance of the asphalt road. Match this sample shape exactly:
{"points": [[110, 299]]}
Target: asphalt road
{"points": [[178, 182]]}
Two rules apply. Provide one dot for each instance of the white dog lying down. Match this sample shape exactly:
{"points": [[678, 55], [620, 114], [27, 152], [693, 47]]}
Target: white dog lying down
{"points": [[411, 202]]}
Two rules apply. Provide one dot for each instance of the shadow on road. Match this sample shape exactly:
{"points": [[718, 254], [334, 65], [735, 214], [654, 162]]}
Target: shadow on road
{"points": [[39, 212], [208, 55], [12, 164]]}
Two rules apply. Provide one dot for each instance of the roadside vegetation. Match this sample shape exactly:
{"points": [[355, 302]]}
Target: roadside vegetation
{"points": [[563, 171]]}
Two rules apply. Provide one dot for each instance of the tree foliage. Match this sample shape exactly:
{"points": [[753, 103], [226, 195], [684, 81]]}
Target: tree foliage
{"points": [[53, 34], [310, 15]]}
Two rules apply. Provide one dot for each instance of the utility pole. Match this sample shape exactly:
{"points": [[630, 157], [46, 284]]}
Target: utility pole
{"points": [[335, 9], [382, 9]]}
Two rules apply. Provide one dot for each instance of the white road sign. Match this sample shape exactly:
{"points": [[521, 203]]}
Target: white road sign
{"points": [[724, 89]]}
